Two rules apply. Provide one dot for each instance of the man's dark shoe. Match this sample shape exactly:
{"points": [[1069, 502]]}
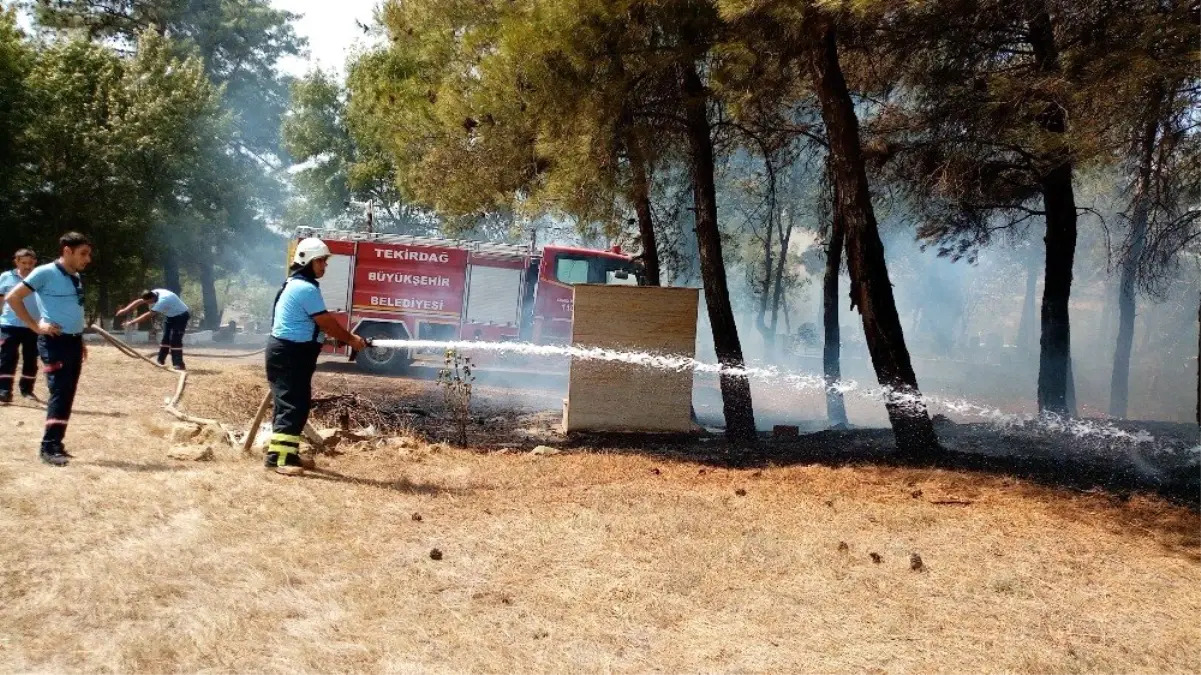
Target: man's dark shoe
{"points": [[54, 457], [29, 396], [6, 397]]}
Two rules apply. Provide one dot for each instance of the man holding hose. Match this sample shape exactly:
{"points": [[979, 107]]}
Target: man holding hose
{"points": [[298, 328], [177, 315]]}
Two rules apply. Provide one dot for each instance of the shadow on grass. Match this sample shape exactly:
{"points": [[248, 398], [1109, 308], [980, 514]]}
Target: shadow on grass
{"points": [[1116, 468], [40, 405], [1101, 478], [135, 467], [99, 413], [402, 485]]}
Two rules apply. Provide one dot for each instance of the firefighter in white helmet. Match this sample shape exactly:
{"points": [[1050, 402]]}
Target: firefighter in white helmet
{"points": [[298, 328]]}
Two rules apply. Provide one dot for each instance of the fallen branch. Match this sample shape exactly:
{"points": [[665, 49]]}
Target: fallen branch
{"points": [[254, 426], [951, 502], [314, 438], [310, 432]]}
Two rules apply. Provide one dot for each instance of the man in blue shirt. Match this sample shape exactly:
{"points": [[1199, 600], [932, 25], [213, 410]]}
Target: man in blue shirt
{"points": [[297, 328], [163, 301], [15, 339], [59, 292]]}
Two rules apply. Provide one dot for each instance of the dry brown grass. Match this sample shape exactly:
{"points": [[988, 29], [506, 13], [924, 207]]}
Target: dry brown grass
{"points": [[228, 391], [129, 562]]}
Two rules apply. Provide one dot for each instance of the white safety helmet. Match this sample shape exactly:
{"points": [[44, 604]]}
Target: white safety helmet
{"points": [[309, 250]]}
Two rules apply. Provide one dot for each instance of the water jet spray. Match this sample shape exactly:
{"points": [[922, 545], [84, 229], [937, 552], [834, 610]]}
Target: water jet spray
{"points": [[797, 380]]}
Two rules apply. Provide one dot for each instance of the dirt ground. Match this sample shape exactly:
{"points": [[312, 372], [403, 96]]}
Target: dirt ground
{"points": [[612, 556]]}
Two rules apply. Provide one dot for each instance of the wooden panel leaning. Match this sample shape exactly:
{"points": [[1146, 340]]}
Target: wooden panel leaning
{"points": [[612, 396]]}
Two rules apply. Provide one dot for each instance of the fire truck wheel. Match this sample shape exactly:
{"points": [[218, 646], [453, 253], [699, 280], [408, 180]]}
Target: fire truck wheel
{"points": [[382, 361]]}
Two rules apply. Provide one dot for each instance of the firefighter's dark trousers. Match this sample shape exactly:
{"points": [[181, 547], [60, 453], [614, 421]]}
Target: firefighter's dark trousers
{"points": [[290, 367], [17, 341], [173, 330], [62, 356]]}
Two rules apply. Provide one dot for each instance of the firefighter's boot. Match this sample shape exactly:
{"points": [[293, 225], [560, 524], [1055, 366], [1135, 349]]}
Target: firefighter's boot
{"points": [[290, 466], [307, 462], [283, 455]]}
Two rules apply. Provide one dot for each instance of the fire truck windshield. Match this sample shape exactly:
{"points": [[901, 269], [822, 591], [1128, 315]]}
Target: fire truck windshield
{"points": [[582, 268]]}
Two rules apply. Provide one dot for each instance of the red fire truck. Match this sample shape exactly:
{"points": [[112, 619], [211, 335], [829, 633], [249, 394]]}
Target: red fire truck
{"points": [[388, 286]]}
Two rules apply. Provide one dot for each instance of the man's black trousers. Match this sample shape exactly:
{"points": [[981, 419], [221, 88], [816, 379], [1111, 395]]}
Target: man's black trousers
{"points": [[17, 342], [173, 330], [62, 356]]}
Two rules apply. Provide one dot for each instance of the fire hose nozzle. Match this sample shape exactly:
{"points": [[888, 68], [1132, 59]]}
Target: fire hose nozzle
{"points": [[369, 341]]}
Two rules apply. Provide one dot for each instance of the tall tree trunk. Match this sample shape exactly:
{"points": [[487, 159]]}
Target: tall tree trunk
{"points": [[1059, 203], [102, 273], [785, 233], [1104, 336], [104, 308], [765, 286], [1144, 342], [1026, 331], [836, 409], [171, 271], [640, 184], [1070, 389], [1055, 346], [871, 289], [1199, 365], [1119, 384], [208, 292], [641, 194], [735, 389]]}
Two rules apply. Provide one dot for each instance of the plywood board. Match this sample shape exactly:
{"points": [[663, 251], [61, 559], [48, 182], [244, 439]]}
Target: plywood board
{"points": [[614, 396]]}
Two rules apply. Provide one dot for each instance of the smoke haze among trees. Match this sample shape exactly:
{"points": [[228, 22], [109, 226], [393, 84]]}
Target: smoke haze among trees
{"points": [[993, 200]]}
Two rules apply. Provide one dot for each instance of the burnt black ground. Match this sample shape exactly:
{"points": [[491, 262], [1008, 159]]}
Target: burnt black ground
{"points": [[519, 412]]}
